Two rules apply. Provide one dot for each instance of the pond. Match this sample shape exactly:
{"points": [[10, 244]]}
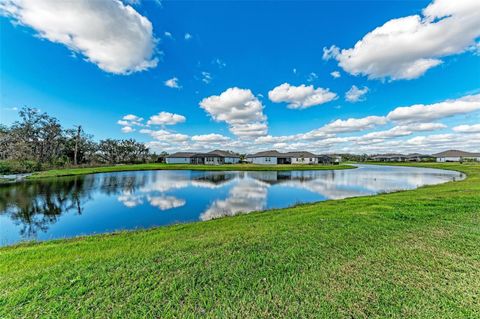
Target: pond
{"points": [[99, 203]]}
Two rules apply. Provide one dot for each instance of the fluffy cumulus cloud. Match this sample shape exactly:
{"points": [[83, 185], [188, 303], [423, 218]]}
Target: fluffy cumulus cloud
{"points": [[335, 74], [108, 33], [128, 122], [240, 109], [354, 124], [356, 94], [127, 129], [210, 138], [401, 130], [166, 118], [166, 136], [422, 112], [300, 97], [405, 48], [172, 83], [475, 128]]}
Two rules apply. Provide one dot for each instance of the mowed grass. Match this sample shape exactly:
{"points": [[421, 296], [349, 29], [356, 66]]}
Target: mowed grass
{"points": [[411, 254], [159, 166]]}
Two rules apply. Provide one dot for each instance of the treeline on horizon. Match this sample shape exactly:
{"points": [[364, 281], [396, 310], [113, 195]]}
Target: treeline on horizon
{"points": [[38, 141]]}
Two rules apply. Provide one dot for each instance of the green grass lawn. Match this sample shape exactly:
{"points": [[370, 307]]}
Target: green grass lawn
{"points": [[154, 166], [411, 254]]}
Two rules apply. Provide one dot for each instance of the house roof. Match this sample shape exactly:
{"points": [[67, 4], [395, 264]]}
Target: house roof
{"points": [[415, 155], [275, 153], [214, 153], [300, 154], [456, 153], [271, 153], [388, 155], [222, 153], [182, 154]]}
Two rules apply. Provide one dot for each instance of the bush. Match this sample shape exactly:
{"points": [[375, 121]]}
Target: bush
{"points": [[18, 167]]}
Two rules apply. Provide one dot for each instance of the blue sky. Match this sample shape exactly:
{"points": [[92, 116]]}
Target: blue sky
{"points": [[250, 75]]}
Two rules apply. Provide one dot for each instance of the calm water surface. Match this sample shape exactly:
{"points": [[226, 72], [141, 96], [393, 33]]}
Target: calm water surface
{"points": [[72, 206]]}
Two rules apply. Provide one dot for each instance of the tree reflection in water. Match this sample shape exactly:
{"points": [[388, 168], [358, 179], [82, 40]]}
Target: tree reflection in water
{"points": [[36, 205]]}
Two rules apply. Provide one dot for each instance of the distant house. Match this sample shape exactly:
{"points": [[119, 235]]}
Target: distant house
{"points": [[389, 158], [181, 158], [301, 157], [216, 157], [266, 157], [219, 157], [456, 156], [417, 157]]}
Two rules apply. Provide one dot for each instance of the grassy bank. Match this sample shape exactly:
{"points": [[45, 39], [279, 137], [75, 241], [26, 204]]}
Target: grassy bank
{"points": [[153, 166], [412, 254]]}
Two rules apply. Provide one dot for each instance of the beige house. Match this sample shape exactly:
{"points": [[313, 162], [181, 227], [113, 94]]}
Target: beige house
{"points": [[456, 156]]}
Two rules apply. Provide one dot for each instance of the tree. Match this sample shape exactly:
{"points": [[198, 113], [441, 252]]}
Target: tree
{"points": [[79, 146], [37, 136]]}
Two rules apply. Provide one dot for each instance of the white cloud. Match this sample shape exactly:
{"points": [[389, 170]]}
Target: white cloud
{"points": [[300, 97], [354, 124], [220, 63], [312, 77], [127, 129], [335, 74], [166, 136], [131, 117], [172, 83], [421, 112], [210, 138], [128, 121], [109, 34], [405, 48], [355, 94], [239, 108], [188, 36], [249, 130], [403, 130], [424, 127], [475, 128], [330, 53], [166, 118], [206, 77], [168, 34]]}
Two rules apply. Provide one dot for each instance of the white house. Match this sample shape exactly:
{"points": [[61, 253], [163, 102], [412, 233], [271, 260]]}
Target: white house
{"points": [[219, 157], [456, 156], [301, 158], [181, 158], [216, 157], [266, 157], [389, 158]]}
